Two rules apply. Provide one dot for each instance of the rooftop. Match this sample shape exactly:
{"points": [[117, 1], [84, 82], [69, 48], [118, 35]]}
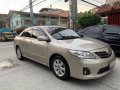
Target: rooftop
{"points": [[107, 8], [55, 13]]}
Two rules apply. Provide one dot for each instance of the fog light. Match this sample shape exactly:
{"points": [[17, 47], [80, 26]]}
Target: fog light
{"points": [[86, 71]]}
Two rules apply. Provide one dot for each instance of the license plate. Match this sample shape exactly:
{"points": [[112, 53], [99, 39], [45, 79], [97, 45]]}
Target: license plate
{"points": [[112, 63]]}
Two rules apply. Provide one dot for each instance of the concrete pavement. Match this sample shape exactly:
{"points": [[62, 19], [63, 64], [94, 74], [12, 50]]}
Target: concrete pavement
{"points": [[29, 75]]}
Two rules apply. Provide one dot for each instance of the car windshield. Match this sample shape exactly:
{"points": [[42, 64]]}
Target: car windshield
{"points": [[62, 33]]}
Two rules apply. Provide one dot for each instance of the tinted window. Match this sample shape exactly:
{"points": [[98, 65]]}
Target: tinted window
{"points": [[92, 30], [112, 29], [27, 33], [62, 33], [37, 33]]}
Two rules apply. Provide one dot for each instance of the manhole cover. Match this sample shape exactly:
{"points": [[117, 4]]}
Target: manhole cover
{"points": [[5, 64]]}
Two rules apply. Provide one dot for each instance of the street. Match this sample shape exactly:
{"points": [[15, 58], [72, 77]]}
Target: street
{"points": [[29, 75]]}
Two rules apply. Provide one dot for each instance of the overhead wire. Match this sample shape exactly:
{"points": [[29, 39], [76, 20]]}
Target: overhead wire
{"points": [[28, 6]]}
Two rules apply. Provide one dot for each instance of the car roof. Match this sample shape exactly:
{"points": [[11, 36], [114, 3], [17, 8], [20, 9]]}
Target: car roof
{"points": [[43, 26], [101, 26]]}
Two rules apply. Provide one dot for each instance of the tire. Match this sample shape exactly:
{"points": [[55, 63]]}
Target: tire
{"points": [[19, 54], [60, 68]]}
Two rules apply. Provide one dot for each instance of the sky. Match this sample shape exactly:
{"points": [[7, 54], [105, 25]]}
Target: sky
{"points": [[7, 5]]}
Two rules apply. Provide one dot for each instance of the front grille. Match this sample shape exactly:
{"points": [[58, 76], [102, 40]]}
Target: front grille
{"points": [[102, 70], [103, 54]]}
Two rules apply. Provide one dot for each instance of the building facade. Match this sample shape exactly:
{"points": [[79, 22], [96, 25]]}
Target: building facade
{"points": [[4, 22], [22, 19], [111, 10]]}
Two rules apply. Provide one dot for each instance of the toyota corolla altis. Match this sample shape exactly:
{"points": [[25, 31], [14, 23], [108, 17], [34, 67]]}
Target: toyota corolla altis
{"points": [[65, 52]]}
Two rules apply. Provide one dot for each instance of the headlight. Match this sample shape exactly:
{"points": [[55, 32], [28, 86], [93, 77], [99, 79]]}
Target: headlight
{"points": [[109, 51], [82, 54]]}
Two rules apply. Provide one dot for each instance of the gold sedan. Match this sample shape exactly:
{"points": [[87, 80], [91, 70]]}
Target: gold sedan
{"points": [[65, 52]]}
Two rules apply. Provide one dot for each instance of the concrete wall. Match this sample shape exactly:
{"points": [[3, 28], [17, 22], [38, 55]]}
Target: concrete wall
{"points": [[15, 21]]}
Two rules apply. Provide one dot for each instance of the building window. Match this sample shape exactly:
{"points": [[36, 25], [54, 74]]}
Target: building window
{"points": [[53, 22], [53, 18], [63, 21], [41, 23], [43, 17], [27, 22], [17, 22]]}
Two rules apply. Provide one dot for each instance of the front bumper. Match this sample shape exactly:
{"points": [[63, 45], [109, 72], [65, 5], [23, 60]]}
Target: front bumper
{"points": [[97, 67]]}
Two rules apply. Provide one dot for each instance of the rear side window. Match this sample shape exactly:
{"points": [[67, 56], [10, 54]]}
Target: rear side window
{"points": [[26, 33], [112, 29], [92, 30], [37, 33]]}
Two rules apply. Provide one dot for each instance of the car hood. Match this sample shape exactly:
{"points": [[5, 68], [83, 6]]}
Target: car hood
{"points": [[84, 44]]}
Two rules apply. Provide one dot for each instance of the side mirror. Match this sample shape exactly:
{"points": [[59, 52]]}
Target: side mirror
{"points": [[43, 38]]}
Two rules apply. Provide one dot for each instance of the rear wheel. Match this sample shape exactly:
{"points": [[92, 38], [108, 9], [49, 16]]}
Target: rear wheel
{"points": [[19, 54], [60, 68]]}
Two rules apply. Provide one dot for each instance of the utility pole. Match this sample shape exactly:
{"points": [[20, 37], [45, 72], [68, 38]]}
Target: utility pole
{"points": [[72, 14], [31, 12]]}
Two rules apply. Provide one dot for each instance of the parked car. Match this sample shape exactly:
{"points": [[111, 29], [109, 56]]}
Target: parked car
{"points": [[5, 36], [107, 33], [65, 52]]}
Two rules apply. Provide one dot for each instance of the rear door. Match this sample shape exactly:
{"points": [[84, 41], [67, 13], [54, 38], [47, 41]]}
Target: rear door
{"points": [[111, 34], [24, 42]]}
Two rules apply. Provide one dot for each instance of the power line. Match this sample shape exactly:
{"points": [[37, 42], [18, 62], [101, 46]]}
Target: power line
{"points": [[86, 4], [24, 8], [39, 3], [28, 6], [90, 3]]}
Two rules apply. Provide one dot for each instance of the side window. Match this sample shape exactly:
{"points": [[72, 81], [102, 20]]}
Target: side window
{"points": [[112, 30], [27, 33], [92, 30], [37, 33]]}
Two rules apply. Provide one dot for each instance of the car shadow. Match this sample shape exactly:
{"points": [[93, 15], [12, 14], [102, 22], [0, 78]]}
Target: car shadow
{"points": [[36, 64], [74, 81]]}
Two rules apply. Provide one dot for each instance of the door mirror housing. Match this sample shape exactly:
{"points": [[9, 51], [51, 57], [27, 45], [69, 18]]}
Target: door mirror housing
{"points": [[43, 38]]}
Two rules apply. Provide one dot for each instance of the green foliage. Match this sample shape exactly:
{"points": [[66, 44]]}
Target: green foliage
{"points": [[89, 19]]}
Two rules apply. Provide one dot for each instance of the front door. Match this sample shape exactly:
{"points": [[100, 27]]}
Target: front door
{"points": [[39, 49]]}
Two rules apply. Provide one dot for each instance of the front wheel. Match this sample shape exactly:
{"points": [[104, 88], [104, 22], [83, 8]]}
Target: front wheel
{"points": [[60, 68]]}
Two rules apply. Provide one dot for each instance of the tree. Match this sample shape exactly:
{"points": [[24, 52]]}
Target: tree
{"points": [[89, 19]]}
